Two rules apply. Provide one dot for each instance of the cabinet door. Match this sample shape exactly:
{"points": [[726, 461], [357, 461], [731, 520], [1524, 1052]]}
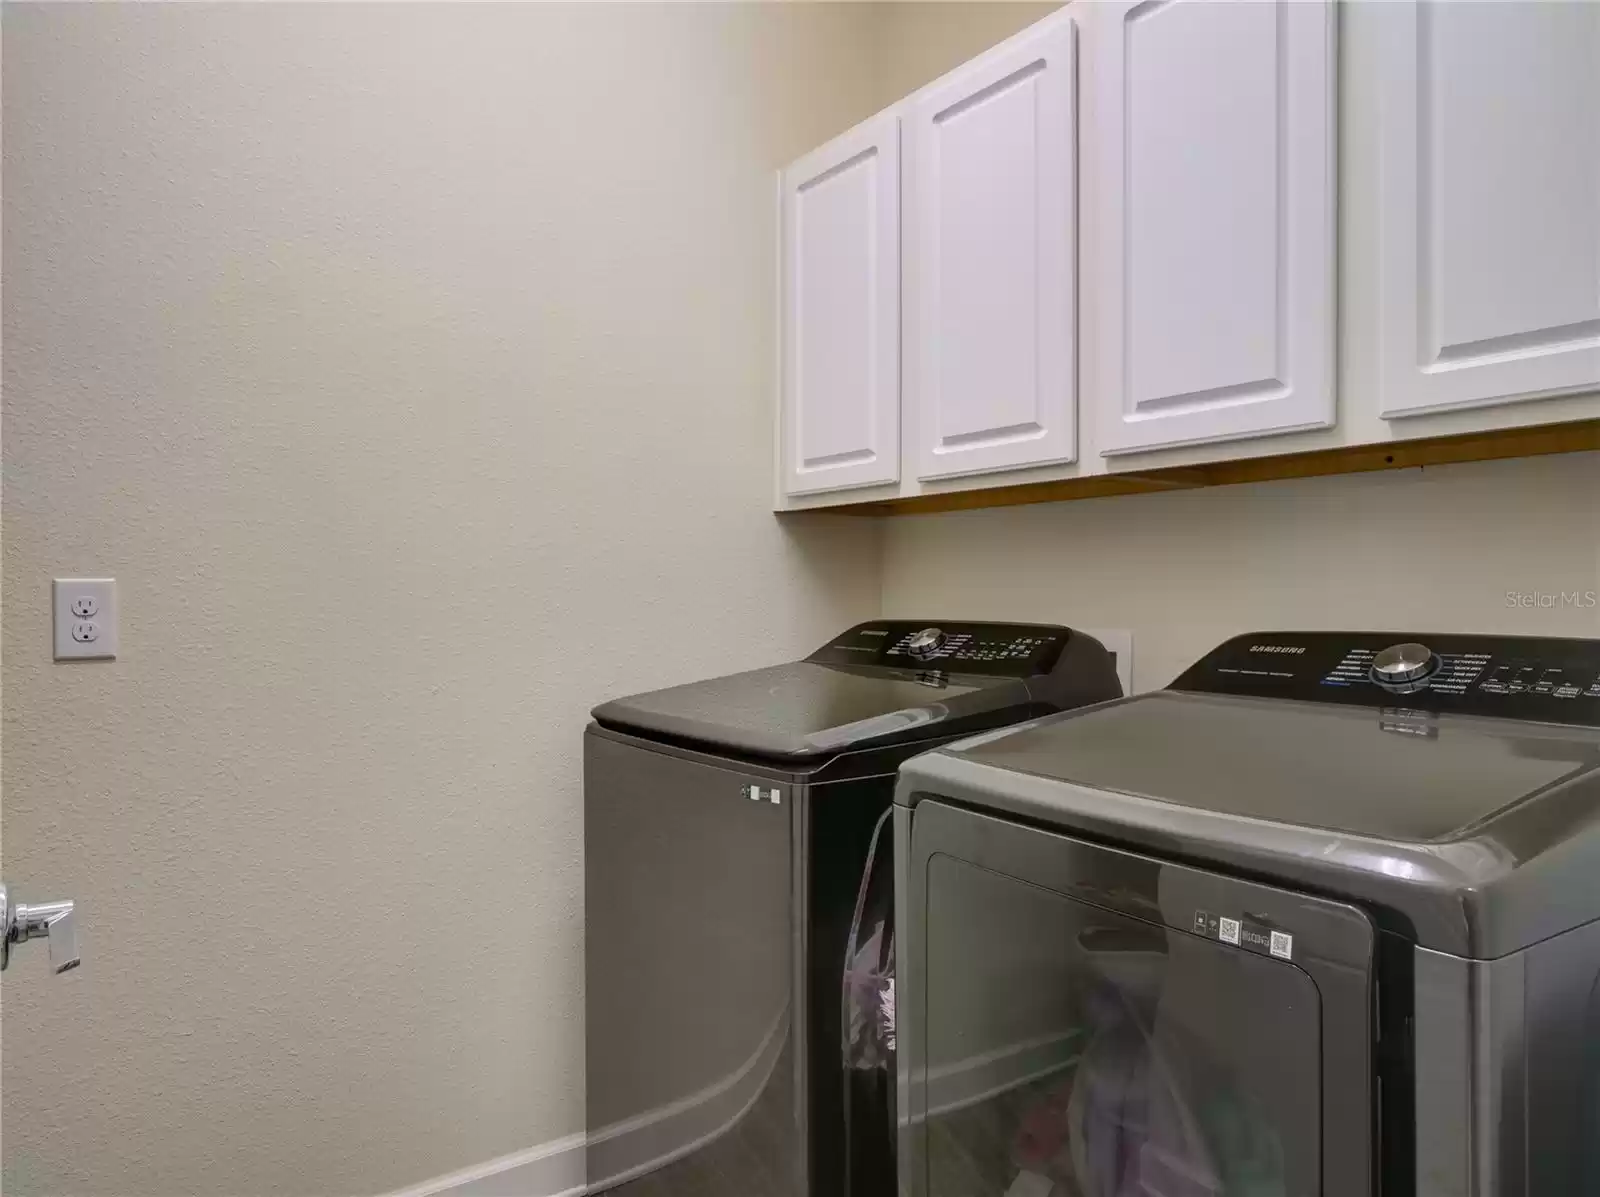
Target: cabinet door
{"points": [[841, 312], [1213, 220], [991, 336], [1490, 203]]}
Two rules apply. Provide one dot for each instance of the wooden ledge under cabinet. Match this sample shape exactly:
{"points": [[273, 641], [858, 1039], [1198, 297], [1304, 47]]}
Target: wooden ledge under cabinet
{"points": [[1535, 441]]}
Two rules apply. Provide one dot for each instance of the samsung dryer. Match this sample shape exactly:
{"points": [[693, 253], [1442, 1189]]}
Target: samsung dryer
{"points": [[1320, 919], [739, 948]]}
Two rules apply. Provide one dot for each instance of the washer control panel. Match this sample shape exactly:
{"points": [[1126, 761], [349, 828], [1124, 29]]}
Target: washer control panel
{"points": [[1405, 668], [1517, 677], [991, 649]]}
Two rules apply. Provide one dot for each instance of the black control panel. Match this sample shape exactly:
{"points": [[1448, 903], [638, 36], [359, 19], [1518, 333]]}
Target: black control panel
{"points": [[1540, 679], [989, 649]]}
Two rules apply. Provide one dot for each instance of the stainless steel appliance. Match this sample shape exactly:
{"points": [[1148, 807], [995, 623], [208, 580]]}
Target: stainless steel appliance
{"points": [[728, 826], [1320, 918]]}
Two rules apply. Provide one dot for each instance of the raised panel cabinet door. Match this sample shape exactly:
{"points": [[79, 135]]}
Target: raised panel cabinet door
{"points": [[991, 272], [841, 312], [1214, 220], [1489, 203]]}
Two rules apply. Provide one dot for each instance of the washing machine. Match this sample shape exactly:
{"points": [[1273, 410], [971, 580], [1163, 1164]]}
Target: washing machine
{"points": [[1320, 919], [737, 900]]}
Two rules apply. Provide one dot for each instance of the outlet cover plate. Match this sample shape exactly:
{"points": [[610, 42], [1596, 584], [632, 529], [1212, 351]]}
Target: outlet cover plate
{"points": [[85, 616]]}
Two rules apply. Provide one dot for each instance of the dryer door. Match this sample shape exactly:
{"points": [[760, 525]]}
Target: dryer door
{"points": [[1077, 1021]]}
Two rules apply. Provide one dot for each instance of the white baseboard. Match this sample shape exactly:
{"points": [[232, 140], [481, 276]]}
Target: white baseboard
{"points": [[553, 1169], [630, 1148], [558, 1168], [657, 1137]]}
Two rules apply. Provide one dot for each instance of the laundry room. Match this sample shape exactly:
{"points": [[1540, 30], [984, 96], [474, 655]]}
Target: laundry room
{"points": [[893, 598]]}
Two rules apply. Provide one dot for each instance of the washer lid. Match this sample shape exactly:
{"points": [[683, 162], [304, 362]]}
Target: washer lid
{"points": [[882, 682], [797, 710], [1393, 775]]}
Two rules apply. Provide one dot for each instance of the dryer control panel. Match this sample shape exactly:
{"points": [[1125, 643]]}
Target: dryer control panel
{"points": [[1545, 680]]}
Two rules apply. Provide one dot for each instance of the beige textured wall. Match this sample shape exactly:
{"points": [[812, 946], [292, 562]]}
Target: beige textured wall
{"points": [[410, 366], [919, 40], [1417, 550]]}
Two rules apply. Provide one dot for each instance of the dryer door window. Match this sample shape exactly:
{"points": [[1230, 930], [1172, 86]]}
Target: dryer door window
{"points": [[1076, 1051], [1061, 1047]]}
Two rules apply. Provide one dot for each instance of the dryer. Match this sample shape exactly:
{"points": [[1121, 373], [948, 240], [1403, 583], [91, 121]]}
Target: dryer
{"points": [[1320, 918], [738, 877]]}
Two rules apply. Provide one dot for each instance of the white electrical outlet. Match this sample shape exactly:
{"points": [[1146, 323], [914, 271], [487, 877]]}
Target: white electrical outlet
{"points": [[85, 618]]}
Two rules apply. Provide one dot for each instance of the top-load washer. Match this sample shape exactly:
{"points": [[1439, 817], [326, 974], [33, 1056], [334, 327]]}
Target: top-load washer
{"points": [[738, 879], [1321, 919]]}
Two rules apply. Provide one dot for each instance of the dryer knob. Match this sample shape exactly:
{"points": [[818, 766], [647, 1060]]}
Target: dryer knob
{"points": [[1405, 668], [926, 642]]}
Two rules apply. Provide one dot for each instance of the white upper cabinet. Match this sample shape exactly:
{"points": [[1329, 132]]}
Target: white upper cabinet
{"points": [[1489, 203], [1213, 220], [841, 313], [990, 271]]}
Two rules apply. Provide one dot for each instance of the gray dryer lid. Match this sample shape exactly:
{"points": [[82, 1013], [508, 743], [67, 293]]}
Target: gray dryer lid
{"points": [[1370, 773], [1471, 834]]}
